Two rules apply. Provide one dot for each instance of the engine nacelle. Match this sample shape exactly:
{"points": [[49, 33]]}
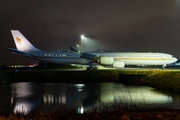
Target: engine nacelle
{"points": [[118, 64], [109, 61], [105, 60]]}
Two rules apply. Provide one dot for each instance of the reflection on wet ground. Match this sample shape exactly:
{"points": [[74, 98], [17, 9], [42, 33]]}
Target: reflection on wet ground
{"points": [[24, 97]]}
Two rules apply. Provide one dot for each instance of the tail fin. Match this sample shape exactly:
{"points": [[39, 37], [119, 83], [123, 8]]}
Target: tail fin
{"points": [[22, 44]]}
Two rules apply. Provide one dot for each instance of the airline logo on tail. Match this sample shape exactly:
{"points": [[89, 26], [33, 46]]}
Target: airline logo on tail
{"points": [[18, 40]]}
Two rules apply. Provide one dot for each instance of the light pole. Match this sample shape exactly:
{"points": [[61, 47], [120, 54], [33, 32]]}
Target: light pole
{"points": [[82, 42], [78, 47]]}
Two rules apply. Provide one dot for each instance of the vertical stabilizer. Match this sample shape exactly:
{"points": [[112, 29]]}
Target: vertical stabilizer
{"points": [[22, 44]]}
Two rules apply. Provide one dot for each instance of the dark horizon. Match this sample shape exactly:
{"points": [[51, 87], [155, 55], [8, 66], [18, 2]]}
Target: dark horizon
{"points": [[119, 25]]}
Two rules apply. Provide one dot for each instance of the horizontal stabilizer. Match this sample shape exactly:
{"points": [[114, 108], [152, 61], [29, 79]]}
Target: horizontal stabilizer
{"points": [[17, 51]]}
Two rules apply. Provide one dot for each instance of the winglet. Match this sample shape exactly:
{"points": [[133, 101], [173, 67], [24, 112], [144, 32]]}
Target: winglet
{"points": [[22, 44], [74, 49]]}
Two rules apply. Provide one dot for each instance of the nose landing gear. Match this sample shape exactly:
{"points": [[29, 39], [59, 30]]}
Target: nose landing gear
{"points": [[163, 67]]}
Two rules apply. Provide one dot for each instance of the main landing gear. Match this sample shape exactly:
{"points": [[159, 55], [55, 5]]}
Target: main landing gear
{"points": [[92, 68]]}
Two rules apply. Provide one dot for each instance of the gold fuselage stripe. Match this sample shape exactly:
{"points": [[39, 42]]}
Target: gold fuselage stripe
{"points": [[143, 58]]}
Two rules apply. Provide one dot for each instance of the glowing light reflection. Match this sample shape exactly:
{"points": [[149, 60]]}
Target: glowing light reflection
{"points": [[49, 99], [22, 107], [133, 95], [81, 110], [107, 93]]}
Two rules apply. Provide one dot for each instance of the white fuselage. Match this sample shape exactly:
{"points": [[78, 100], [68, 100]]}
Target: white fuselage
{"points": [[138, 58]]}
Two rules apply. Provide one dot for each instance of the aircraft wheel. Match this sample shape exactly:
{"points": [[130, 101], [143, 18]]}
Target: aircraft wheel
{"points": [[95, 68], [91, 68]]}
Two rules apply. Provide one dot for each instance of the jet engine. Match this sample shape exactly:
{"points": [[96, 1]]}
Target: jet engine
{"points": [[105, 60], [118, 64], [109, 61]]}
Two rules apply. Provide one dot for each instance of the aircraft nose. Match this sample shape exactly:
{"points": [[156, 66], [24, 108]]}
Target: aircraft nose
{"points": [[175, 59]]}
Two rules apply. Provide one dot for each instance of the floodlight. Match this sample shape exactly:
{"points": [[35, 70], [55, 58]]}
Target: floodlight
{"points": [[82, 37]]}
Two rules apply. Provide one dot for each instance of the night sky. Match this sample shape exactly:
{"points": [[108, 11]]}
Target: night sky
{"points": [[116, 25]]}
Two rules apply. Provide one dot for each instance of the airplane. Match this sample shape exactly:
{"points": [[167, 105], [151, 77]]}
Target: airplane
{"points": [[25, 48], [92, 58], [120, 59]]}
